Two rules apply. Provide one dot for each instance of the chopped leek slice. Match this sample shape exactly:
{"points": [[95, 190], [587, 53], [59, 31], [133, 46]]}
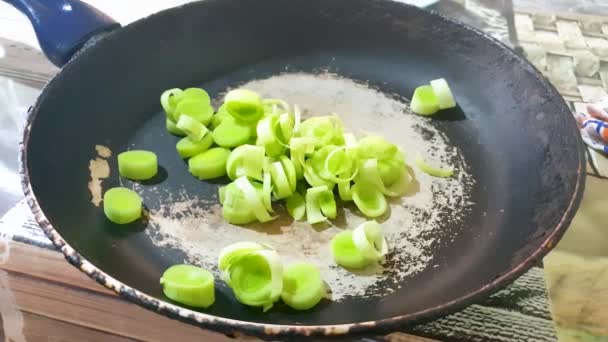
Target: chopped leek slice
{"points": [[296, 206], [433, 171], [189, 285], [232, 252], [234, 206], [188, 148], [256, 278], [444, 93], [370, 241], [313, 178], [370, 176], [137, 164], [325, 130], [122, 205], [246, 160], [172, 128], [232, 133], [244, 105], [219, 117], [303, 287], [196, 94], [320, 204], [199, 111], [376, 147], [194, 129], [209, 164], [424, 101], [253, 200], [280, 183], [267, 192], [267, 136], [370, 201], [169, 100], [346, 253], [345, 189], [290, 172]]}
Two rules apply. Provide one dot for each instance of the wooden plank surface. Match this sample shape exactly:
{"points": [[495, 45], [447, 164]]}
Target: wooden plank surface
{"points": [[56, 302]]}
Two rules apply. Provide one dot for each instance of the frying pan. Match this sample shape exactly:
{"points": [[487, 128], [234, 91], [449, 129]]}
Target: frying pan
{"points": [[512, 136]]}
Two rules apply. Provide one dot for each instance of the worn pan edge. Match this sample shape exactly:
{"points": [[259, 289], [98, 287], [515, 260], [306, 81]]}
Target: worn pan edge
{"points": [[235, 327]]}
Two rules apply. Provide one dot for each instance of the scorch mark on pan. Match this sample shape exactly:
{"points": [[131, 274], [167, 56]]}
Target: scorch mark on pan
{"points": [[99, 169], [419, 219]]}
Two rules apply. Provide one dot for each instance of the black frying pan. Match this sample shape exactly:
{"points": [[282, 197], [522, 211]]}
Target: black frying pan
{"points": [[513, 134]]}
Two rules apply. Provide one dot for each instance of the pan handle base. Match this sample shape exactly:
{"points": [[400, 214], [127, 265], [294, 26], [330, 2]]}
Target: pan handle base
{"points": [[63, 26]]}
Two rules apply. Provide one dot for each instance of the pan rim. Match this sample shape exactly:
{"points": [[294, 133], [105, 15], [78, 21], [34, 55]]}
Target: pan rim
{"points": [[233, 326]]}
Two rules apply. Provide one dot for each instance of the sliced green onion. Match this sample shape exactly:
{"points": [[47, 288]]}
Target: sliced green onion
{"points": [[196, 94], [209, 164], [424, 101], [254, 202], [172, 128], [369, 200], [232, 133], [122, 205], [433, 171], [194, 129], [244, 105], [201, 112], [137, 164], [187, 148], [246, 160], [370, 241], [296, 206], [232, 252], [256, 278], [303, 286], [346, 253], [444, 93], [169, 100], [189, 285]]}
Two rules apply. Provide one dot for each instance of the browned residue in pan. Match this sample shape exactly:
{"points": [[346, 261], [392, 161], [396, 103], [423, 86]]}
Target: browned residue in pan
{"points": [[99, 169]]}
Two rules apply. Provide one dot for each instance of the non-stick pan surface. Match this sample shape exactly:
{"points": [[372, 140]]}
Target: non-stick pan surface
{"points": [[512, 130]]}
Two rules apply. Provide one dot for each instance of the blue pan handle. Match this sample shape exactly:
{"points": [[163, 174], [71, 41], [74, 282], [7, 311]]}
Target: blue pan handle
{"points": [[63, 26]]}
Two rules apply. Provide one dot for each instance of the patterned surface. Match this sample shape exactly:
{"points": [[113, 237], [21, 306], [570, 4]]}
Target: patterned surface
{"points": [[571, 50]]}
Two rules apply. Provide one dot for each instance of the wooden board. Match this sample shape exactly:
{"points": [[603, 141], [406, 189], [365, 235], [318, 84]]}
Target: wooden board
{"points": [[53, 301]]}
